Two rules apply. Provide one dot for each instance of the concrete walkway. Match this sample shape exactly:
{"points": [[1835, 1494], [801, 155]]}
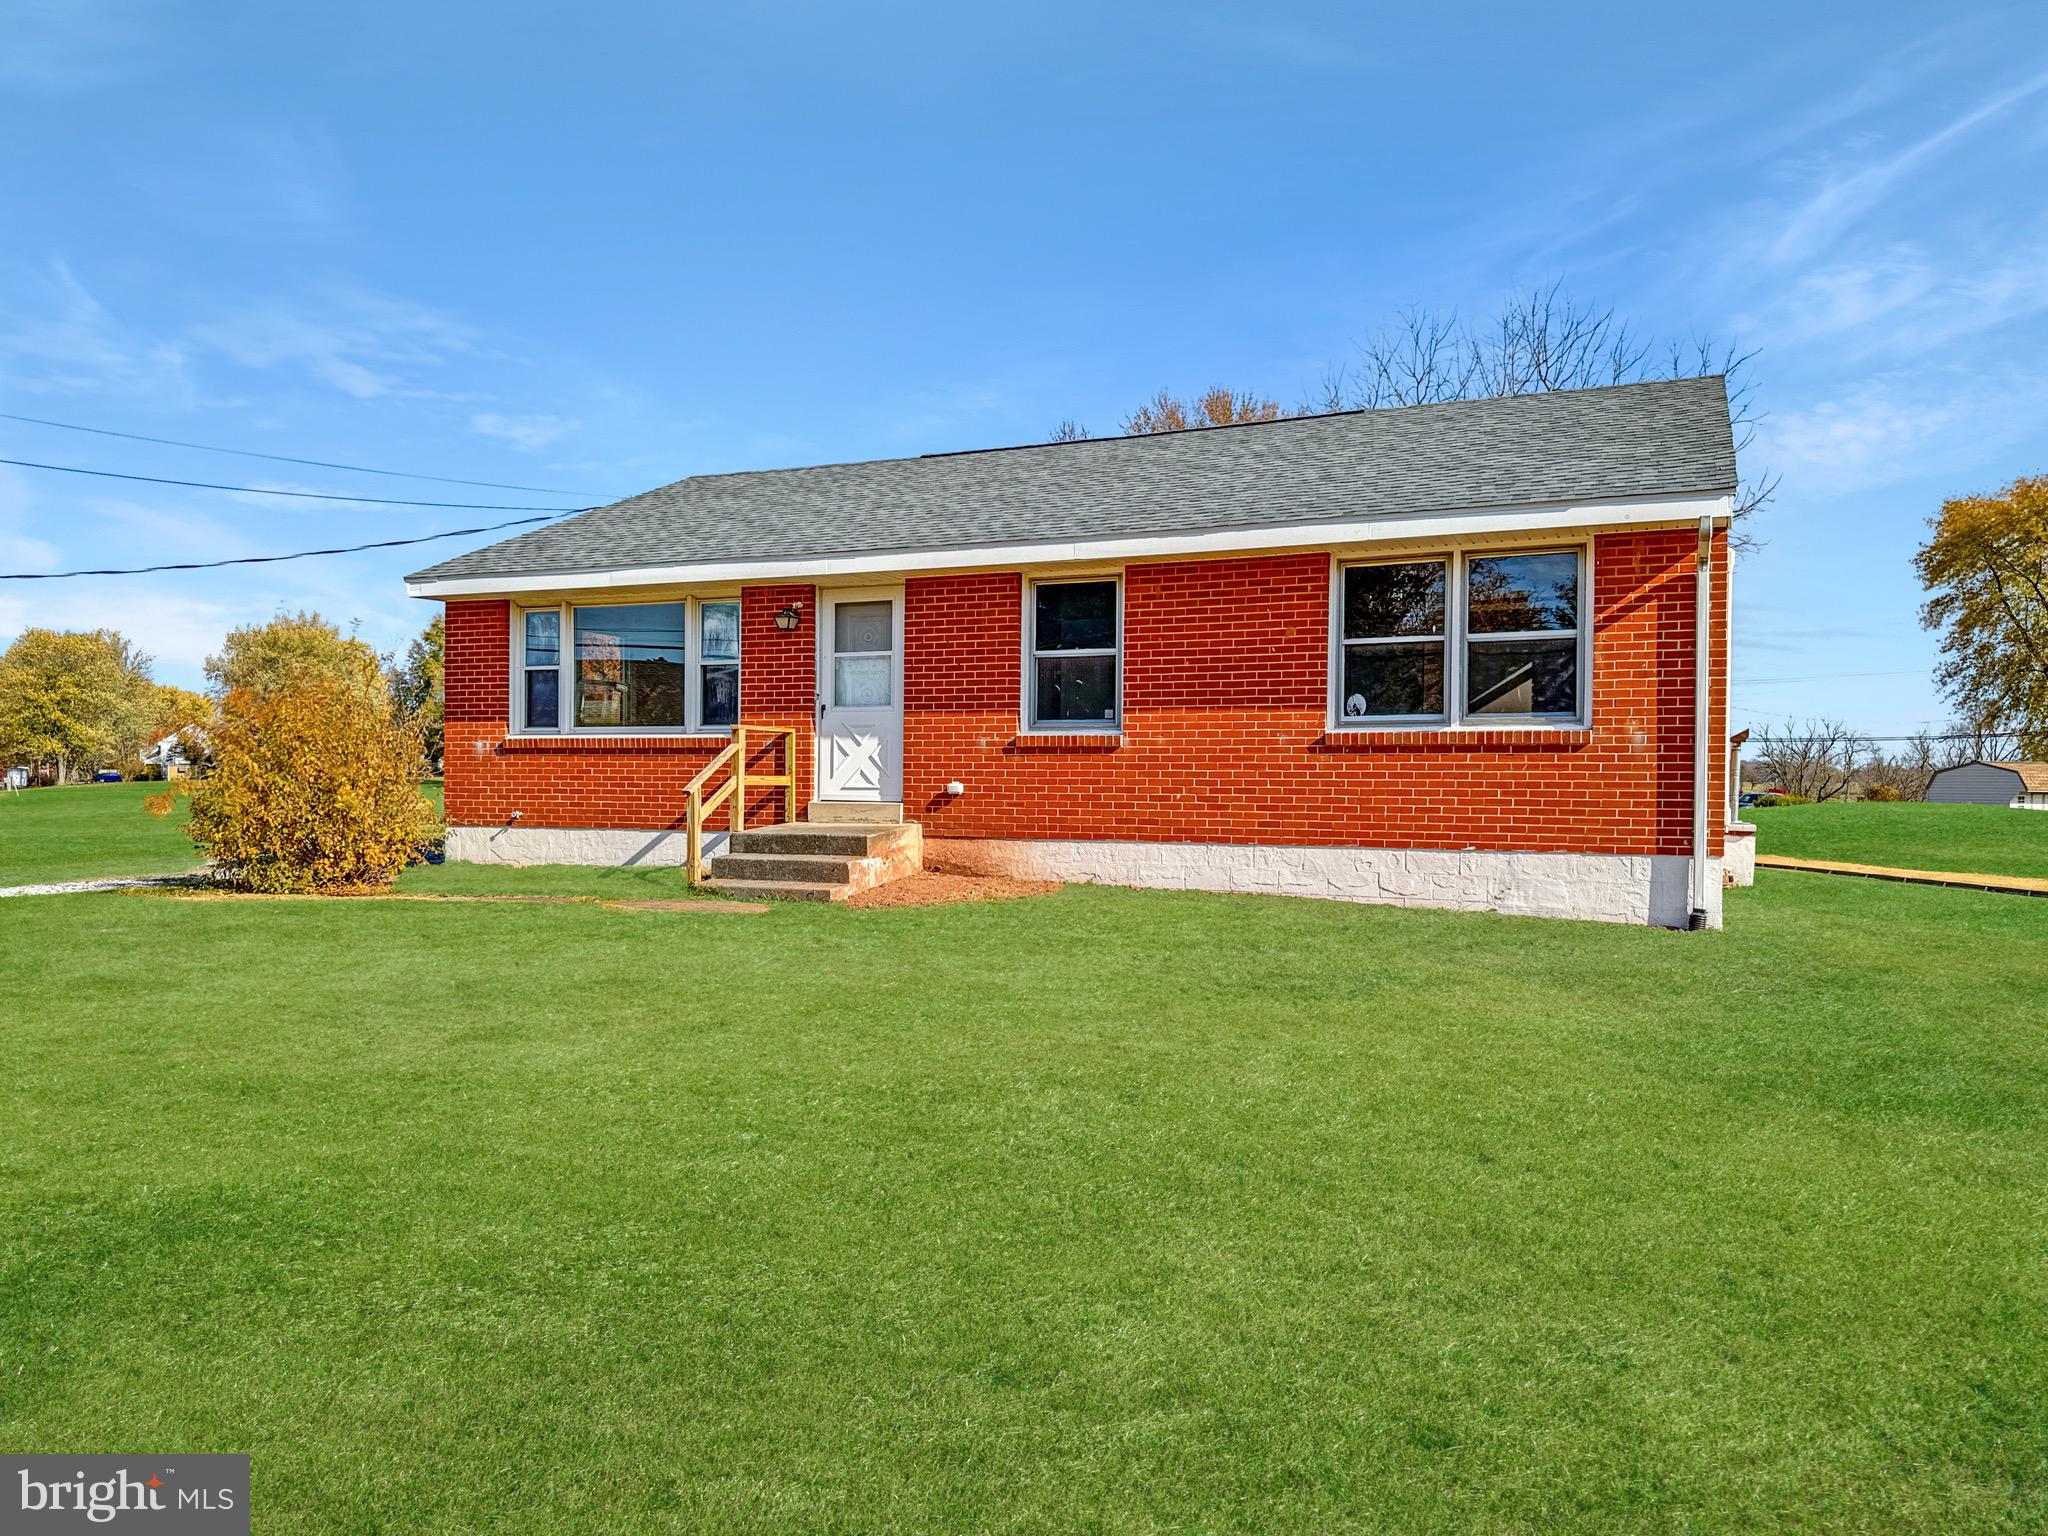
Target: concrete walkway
{"points": [[113, 883], [2010, 885]]}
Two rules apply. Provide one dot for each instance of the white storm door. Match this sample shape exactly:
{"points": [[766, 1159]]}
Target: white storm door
{"points": [[860, 695]]}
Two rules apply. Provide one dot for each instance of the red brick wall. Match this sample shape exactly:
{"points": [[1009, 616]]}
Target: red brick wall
{"points": [[585, 781], [1224, 700], [1225, 666]]}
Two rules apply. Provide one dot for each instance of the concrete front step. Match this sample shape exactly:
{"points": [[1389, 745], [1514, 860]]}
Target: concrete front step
{"points": [[780, 890], [817, 861], [803, 869], [847, 841], [837, 811]]}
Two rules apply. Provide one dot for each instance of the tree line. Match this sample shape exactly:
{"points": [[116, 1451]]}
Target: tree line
{"points": [[75, 702]]}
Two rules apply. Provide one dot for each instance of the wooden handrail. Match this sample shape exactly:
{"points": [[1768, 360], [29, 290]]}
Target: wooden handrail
{"points": [[697, 804]]}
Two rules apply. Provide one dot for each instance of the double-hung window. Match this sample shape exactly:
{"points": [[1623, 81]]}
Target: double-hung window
{"points": [[628, 667], [540, 694], [1394, 639], [718, 664], [1522, 635], [1457, 637], [1074, 635]]}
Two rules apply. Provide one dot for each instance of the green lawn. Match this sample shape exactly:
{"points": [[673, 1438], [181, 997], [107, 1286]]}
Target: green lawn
{"points": [[88, 832], [1110, 1210], [1980, 838], [93, 831]]}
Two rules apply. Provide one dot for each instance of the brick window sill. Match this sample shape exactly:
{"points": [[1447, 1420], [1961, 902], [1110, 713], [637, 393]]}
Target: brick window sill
{"points": [[1066, 741], [1460, 739]]}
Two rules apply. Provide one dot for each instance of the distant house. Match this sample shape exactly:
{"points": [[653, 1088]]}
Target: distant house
{"points": [[2021, 786], [1468, 655], [173, 755]]}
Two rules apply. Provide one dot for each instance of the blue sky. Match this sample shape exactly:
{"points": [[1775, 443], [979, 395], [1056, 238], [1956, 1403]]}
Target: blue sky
{"points": [[601, 247]]}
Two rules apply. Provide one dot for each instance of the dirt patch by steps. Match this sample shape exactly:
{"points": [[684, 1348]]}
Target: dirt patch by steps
{"points": [[939, 885]]}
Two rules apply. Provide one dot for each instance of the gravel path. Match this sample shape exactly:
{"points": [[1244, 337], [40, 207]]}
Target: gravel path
{"points": [[121, 883]]}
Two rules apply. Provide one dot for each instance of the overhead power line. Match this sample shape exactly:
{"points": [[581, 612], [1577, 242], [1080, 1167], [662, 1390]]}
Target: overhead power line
{"points": [[1828, 677], [302, 554], [258, 490], [283, 458]]}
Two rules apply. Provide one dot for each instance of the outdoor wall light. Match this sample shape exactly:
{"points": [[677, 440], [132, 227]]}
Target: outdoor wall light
{"points": [[790, 617]]}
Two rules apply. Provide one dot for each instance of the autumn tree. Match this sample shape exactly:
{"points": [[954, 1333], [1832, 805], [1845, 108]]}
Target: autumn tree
{"points": [[73, 701], [292, 649], [1214, 407], [416, 685], [314, 787], [1986, 568]]}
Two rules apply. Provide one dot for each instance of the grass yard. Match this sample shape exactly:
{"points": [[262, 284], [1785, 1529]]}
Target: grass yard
{"points": [[96, 831], [1108, 1210], [1979, 838], [89, 832]]}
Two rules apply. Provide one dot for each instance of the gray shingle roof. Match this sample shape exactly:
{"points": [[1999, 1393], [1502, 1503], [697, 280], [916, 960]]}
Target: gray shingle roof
{"points": [[1667, 438]]}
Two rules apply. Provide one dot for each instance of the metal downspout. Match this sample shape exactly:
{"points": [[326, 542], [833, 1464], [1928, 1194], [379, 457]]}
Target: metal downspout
{"points": [[1702, 715]]}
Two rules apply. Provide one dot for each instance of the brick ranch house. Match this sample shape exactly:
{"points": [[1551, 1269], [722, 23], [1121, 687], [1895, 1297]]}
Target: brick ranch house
{"points": [[1469, 655]]}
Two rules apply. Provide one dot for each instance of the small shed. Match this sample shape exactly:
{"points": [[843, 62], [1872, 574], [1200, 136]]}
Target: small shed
{"points": [[2021, 786]]}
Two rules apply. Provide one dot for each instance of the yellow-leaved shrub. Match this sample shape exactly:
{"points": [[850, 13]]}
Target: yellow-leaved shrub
{"points": [[315, 788]]}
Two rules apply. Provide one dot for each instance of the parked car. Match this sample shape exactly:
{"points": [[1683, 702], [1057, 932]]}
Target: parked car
{"points": [[107, 776]]}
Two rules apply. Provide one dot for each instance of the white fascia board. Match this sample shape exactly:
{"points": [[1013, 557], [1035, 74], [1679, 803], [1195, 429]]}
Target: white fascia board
{"points": [[1471, 523]]}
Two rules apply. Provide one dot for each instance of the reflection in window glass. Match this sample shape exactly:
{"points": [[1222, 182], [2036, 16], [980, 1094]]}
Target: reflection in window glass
{"points": [[1074, 663], [1382, 601], [1393, 680], [1077, 616], [543, 698], [1511, 594], [1522, 677], [629, 665], [721, 637], [1393, 641]]}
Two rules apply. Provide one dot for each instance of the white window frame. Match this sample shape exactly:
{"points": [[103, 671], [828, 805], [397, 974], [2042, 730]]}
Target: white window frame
{"points": [[1343, 643], [565, 689], [1032, 725], [1457, 637]]}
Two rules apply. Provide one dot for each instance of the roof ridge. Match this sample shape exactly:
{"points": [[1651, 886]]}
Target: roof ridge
{"points": [[1180, 432], [1301, 416]]}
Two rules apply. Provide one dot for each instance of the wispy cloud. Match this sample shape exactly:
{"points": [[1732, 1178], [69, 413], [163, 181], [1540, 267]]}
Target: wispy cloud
{"points": [[1900, 425], [1850, 194], [59, 337], [366, 344], [529, 434]]}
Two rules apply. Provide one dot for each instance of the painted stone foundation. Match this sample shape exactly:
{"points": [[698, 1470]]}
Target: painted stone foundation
{"points": [[1611, 888], [1741, 860], [571, 845], [1598, 887]]}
